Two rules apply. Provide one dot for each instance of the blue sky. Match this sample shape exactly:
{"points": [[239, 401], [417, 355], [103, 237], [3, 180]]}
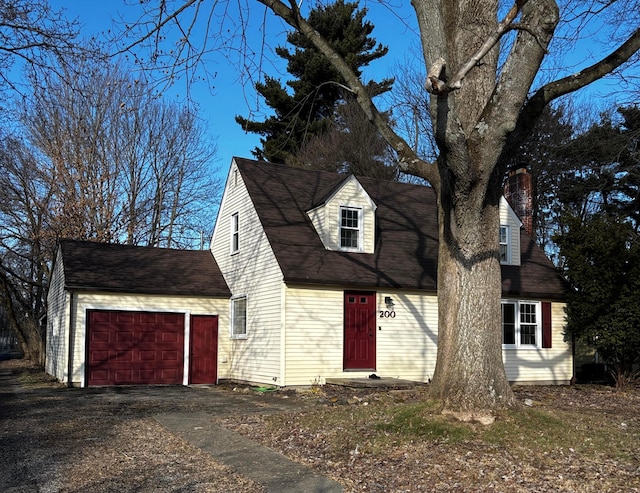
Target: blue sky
{"points": [[230, 96]]}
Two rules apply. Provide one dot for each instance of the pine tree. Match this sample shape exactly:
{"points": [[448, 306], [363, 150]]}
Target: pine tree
{"points": [[304, 107]]}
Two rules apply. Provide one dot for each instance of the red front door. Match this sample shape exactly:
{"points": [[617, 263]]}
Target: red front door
{"points": [[203, 358], [359, 330]]}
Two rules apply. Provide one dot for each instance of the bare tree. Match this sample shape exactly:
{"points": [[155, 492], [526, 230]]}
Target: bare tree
{"points": [[483, 62], [33, 33], [127, 165], [25, 249]]}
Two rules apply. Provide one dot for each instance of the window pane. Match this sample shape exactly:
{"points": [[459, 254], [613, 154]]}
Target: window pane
{"points": [[349, 218], [504, 244], [504, 253], [349, 228], [527, 313], [235, 234], [508, 323], [239, 316], [349, 238], [528, 335], [503, 234], [528, 323]]}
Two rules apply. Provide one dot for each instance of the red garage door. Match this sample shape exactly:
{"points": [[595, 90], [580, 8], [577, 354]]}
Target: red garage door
{"points": [[127, 348]]}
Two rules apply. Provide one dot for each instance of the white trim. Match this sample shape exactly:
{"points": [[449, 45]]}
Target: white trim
{"points": [[234, 237], [187, 347], [360, 228], [232, 301], [538, 334], [507, 260]]}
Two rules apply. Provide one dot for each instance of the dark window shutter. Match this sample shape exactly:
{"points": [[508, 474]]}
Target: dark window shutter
{"points": [[546, 324]]}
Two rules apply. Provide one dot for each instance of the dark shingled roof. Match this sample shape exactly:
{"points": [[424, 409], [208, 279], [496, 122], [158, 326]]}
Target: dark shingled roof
{"points": [[406, 245], [143, 270]]}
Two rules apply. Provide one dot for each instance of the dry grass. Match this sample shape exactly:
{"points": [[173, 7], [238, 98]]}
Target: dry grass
{"points": [[578, 439], [571, 439]]}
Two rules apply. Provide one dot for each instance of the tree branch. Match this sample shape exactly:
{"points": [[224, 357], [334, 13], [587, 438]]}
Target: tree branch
{"points": [[156, 28], [410, 162], [437, 86], [534, 107]]}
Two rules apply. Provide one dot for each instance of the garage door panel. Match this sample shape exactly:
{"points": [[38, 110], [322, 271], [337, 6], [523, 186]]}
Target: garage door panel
{"points": [[126, 337], [125, 317], [172, 319], [149, 355], [169, 337], [135, 348], [99, 336]]}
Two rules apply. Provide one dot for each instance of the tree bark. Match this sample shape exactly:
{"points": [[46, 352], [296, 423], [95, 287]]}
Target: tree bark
{"points": [[469, 374]]}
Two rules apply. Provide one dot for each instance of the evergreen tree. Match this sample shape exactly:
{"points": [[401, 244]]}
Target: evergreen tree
{"points": [[317, 88], [602, 262], [599, 241]]}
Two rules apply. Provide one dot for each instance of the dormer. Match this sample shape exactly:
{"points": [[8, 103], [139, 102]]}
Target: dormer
{"points": [[509, 234], [345, 220]]}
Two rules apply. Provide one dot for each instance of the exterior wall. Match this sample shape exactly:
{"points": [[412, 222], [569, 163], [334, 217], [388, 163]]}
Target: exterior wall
{"points": [[83, 301], [542, 366], [326, 219], [509, 218], [56, 362], [253, 272], [405, 344]]}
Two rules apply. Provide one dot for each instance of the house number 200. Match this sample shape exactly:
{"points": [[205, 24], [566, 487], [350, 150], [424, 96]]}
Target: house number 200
{"points": [[387, 314]]}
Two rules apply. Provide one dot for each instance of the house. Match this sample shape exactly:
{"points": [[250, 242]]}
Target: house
{"points": [[311, 276], [334, 276], [121, 314]]}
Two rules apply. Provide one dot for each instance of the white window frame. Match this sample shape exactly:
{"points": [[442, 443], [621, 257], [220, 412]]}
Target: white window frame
{"points": [[235, 233], [520, 316], [360, 246], [506, 243], [233, 305]]}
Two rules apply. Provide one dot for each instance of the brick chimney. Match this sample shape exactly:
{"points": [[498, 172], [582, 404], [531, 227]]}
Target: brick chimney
{"points": [[518, 190]]}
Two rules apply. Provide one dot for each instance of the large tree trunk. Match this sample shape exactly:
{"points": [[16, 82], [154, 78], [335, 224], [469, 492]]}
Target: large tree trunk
{"points": [[470, 374]]}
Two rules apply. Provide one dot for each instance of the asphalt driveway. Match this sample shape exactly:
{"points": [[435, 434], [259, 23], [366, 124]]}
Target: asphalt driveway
{"points": [[142, 438]]}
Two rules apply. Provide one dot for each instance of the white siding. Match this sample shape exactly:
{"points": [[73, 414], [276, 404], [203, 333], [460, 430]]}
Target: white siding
{"points": [[510, 219], [83, 301], [253, 272], [541, 365], [56, 362], [326, 219], [405, 345]]}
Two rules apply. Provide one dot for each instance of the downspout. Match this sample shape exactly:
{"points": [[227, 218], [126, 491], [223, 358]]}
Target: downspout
{"points": [[283, 333], [70, 339]]}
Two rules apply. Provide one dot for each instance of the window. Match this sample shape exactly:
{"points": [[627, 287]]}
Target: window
{"points": [[350, 228], [521, 325], [235, 233], [504, 245], [239, 317]]}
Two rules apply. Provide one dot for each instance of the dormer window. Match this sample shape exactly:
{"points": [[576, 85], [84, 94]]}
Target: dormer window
{"points": [[350, 224], [505, 250]]}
